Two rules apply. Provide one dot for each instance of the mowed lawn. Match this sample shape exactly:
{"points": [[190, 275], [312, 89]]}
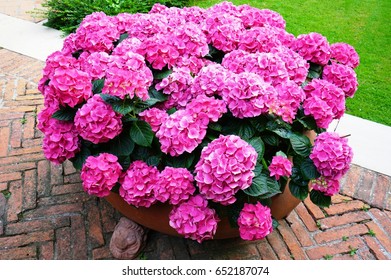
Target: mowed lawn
{"points": [[364, 24]]}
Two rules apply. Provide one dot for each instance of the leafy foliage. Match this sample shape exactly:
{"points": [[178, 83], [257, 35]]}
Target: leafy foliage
{"points": [[66, 15]]}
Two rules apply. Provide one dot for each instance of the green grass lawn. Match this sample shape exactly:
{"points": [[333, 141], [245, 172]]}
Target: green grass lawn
{"points": [[364, 24]]}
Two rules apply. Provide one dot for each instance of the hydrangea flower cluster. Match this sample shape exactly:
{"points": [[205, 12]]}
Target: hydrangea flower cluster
{"points": [[193, 108], [255, 221], [97, 122], [226, 166], [100, 174], [194, 219], [280, 166]]}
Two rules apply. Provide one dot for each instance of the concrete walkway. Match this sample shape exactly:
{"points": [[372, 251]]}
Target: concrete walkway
{"points": [[44, 214]]}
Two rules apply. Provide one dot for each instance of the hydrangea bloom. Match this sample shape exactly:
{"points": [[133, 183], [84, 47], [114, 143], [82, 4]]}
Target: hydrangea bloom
{"points": [[194, 219], [128, 75], [296, 65], [96, 121], [247, 95], [255, 221], [280, 166], [160, 51], [61, 141], [327, 186], [226, 166], [331, 155], [96, 33], [185, 129], [176, 86], [253, 17], [345, 54], [128, 45], [267, 65], [324, 101], [342, 76], [288, 101], [71, 86], [223, 31], [138, 184], [181, 132], [175, 185], [313, 47], [258, 39], [100, 174], [190, 40], [95, 64], [155, 117], [210, 80]]}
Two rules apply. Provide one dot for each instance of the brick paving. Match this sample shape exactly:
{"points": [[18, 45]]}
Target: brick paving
{"points": [[22, 9], [44, 214]]}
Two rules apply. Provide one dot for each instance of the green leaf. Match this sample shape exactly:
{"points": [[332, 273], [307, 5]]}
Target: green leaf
{"points": [[301, 144], [215, 126], [98, 85], [121, 38], [275, 223], [239, 127], [308, 169], [164, 73], [122, 106], [259, 123], [300, 192], [263, 187], [185, 160], [125, 162], [270, 139], [282, 132], [258, 169], [320, 199], [258, 186], [122, 145], [155, 96], [258, 145], [65, 114], [81, 157], [141, 133], [153, 161]]}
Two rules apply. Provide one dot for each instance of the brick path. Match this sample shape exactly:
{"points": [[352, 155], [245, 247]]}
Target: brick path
{"points": [[44, 214], [22, 9]]}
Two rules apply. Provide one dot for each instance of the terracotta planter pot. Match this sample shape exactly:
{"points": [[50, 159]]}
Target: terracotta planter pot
{"points": [[156, 216]]}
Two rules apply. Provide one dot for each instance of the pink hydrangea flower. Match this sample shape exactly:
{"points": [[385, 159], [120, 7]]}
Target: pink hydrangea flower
{"points": [[288, 101], [248, 95], [255, 221], [185, 129], [189, 39], [95, 64], [96, 33], [331, 155], [58, 59], [206, 107], [128, 45], [328, 186], [296, 65], [280, 166], [345, 54], [176, 86], [175, 185], [128, 75], [313, 47], [45, 120], [226, 166], [145, 26], [253, 17], [138, 184], [210, 80], [267, 65], [223, 31], [96, 121], [194, 219], [324, 101], [342, 76], [100, 174], [61, 141], [181, 132], [193, 63], [160, 51], [155, 117], [258, 39], [71, 86]]}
